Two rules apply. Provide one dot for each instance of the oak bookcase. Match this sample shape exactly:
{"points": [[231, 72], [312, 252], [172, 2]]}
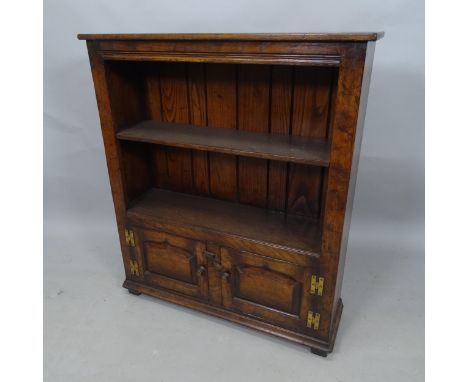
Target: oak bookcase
{"points": [[232, 161]]}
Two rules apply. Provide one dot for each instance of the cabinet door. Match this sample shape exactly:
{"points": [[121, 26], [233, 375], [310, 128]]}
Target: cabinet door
{"points": [[270, 289], [173, 262]]}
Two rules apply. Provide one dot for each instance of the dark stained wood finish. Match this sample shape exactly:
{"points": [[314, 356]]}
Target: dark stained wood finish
{"points": [[191, 119], [173, 262], [280, 123], [266, 288], [253, 115], [311, 104], [236, 142], [228, 218], [347, 122], [175, 108], [126, 91], [137, 172], [221, 93], [109, 126], [198, 116], [357, 36], [230, 180], [154, 111]]}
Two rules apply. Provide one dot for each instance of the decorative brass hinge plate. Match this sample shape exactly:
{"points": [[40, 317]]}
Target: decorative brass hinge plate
{"points": [[313, 320], [134, 268], [316, 286], [129, 238]]}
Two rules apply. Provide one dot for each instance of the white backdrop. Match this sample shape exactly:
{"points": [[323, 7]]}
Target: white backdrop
{"points": [[389, 205]]}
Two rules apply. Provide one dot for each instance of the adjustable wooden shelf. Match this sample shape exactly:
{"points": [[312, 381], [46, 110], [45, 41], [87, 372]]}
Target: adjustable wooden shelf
{"points": [[232, 161]]}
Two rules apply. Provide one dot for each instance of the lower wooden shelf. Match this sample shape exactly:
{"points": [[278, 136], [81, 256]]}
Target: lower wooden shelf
{"points": [[227, 218]]}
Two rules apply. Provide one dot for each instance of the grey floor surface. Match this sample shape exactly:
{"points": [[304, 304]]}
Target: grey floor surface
{"points": [[94, 330]]}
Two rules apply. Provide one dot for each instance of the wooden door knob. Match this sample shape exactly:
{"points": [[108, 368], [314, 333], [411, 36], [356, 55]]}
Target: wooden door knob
{"points": [[226, 276], [210, 255], [201, 271]]}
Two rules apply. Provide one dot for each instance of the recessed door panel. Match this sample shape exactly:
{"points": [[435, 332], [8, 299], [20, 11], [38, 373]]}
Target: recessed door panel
{"points": [[269, 289], [173, 262], [169, 260]]}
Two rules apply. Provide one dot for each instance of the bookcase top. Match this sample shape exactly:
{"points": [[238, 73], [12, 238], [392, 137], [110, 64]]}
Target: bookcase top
{"points": [[356, 36]]}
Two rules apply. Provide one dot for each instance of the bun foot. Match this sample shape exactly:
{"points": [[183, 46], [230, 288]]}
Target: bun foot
{"points": [[319, 352], [135, 292]]}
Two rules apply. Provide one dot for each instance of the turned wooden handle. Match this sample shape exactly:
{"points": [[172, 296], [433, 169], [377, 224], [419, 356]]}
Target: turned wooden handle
{"points": [[214, 260], [210, 255], [201, 271]]}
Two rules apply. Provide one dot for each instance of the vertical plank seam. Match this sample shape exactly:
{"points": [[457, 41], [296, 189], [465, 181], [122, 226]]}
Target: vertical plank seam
{"points": [[267, 201], [162, 148], [291, 114], [237, 128], [206, 123], [160, 92], [147, 93], [149, 116], [329, 121], [330, 101], [189, 107]]}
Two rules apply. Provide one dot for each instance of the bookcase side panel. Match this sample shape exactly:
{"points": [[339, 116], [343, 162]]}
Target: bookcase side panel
{"points": [[344, 134], [111, 146], [366, 77]]}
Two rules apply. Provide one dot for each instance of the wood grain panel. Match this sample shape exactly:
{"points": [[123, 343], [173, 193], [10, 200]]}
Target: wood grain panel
{"points": [[221, 113], [347, 125], [153, 92], [256, 284], [214, 266], [137, 171], [171, 261], [174, 98], [154, 106], [305, 188], [309, 119], [126, 91], [280, 121], [197, 109], [253, 110], [230, 141], [238, 220], [100, 73], [263, 287], [311, 99], [239, 37], [127, 95]]}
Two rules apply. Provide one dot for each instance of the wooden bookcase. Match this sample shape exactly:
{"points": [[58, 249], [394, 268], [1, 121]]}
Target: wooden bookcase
{"points": [[232, 161]]}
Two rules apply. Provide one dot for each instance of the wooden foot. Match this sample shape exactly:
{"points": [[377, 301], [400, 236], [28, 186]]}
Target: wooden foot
{"points": [[319, 352], [135, 292]]}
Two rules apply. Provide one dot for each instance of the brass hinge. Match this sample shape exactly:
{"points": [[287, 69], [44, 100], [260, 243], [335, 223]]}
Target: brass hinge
{"points": [[129, 238], [316, 286], [313, 320], [134, 268]]}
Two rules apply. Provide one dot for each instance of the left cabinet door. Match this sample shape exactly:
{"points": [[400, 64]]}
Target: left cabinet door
{"points": [[172, 262]]}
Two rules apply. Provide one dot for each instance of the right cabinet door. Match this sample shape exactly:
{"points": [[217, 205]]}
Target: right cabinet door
{"points": [[270, 289]]}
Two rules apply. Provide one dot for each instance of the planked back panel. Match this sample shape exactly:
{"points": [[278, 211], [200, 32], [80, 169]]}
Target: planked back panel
{"points": [[285, 100]]}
